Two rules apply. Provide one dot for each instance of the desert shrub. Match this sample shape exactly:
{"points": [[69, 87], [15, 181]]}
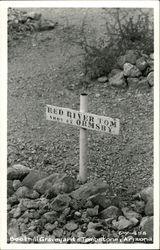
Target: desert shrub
{"points": [[131, 29], [125, 30]]}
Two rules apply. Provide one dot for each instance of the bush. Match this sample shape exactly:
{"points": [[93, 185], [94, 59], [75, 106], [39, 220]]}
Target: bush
{"points": [[127, 30]]}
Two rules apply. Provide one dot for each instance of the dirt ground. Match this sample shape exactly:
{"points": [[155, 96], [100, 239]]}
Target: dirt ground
{"points": [[40, 72]]}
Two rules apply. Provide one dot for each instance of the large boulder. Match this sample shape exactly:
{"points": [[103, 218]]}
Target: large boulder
{"points": [[17, 172], [118, 80], [146, 225], [55, 184], [34, 176], [89, 189], [131, 70]]}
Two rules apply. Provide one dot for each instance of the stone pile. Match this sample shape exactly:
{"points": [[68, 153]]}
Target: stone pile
{"points": [[56, 209], [132, 69], [22, 22]]}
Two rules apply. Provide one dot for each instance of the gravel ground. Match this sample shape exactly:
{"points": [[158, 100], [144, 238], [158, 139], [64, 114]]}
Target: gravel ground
{"points": [[40, 73]]}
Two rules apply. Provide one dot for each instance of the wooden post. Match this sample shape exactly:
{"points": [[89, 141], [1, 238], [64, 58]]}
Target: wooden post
{"points": [[83, 142]]}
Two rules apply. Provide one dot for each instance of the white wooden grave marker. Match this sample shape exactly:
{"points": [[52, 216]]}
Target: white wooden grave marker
{"points": [[84, 121]]}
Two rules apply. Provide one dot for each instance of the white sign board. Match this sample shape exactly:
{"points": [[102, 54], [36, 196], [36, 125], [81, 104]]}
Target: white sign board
{"points": [[83, 120]]}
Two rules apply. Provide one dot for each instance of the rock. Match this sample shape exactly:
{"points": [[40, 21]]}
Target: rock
{"points": [[118, 80], [44, 233], [121, 60], [141, 63], [47, 25], [89, 189], [139, 206], [23, 228], [60, 202], [129, 213], [10, 189], [71, 226], [150, 79], [115, 201], [13, 200], [74, 204], [102, 79], [17, 213], [94, 230], [33, 176], [149, 208], [66, 184], [33, 15], [131, 70], [50, 217], [130, 57], [24, 192], [114, 72], [77, 214], [66, 211], [32, 234], [147, 194], [100, 199], [122, 223], [108, 221], [17, 172], [58, 233], [92, 211], [80, 237], [16, 184], [132, 81], [49, 227], [97, 95], [152, 56], [30, 203], [8, 207], [55, 184], [88, 204], [143, 82], [110, 212], [93, 233], [134, 221], [146, 225], [13, 229]]}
